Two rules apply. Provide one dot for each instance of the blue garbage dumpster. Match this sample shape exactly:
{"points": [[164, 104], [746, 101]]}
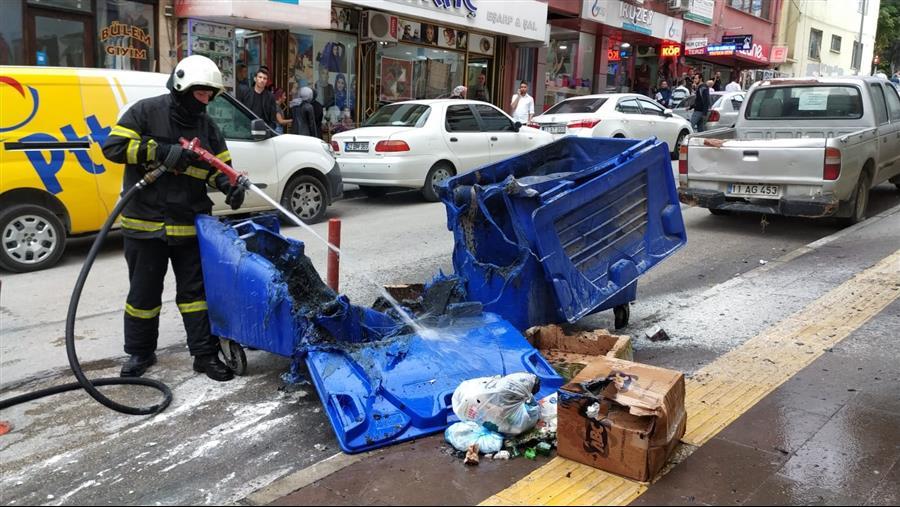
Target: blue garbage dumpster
{"points": [[379, 383], [564, 230]]}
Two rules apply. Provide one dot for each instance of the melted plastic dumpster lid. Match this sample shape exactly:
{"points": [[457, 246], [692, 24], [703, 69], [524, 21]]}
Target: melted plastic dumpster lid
{"points": [[382, 393]]}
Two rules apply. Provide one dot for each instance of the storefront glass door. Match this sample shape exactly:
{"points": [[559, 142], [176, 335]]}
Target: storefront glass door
{"points": [[479, 82], [60, 39]]}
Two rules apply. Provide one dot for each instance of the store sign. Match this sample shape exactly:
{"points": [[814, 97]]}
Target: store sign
{"points": [[671, 51], [740, 42], [757, 54], [720, 50], [779, 54], [259, 14], [118, 40], [522, 19], [697, 46], [634, 18], [701, 11], [613, 55], [455, 6]]}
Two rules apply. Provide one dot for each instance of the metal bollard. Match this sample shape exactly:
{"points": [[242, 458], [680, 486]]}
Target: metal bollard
{"points": [[334, 259]]}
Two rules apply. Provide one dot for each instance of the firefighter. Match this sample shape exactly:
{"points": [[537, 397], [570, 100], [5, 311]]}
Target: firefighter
{"points": [[158, 223]]}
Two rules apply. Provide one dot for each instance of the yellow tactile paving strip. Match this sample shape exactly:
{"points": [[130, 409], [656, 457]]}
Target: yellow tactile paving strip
{"points": [[721, 391]]}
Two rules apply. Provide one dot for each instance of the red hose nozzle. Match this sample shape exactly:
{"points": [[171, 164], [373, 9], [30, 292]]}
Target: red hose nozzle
{"points": [[234, 177]]}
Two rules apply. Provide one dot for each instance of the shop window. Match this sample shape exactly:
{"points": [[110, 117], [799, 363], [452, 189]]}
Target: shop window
{"points": [[59, 41], [405, 72], [126, 35], [11, 36], [815, 43], [526, 64], [759, 8], [493, 120], [461, 119], [70, 5], [250, 55], [326, 62], [835, 44]]}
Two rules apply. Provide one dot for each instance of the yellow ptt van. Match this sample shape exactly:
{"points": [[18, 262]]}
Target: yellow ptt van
{"points": [[56, 183]]}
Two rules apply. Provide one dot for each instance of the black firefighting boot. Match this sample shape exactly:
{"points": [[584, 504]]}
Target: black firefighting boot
{"points": [[137, 364], [213, 367]]}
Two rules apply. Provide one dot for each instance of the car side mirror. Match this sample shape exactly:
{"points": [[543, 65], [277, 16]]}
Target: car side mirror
{"points": [[517, 126], [258, 129], [668, 113]]}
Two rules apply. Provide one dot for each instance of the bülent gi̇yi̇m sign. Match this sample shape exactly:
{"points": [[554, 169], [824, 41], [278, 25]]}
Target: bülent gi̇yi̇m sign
{"points": [[120, 37]]}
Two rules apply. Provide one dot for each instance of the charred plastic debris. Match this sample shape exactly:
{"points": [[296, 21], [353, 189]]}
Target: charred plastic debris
{"points": [[543, 238]]}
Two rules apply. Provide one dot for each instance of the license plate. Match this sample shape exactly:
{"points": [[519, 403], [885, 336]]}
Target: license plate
{"points": [[554, 129], [356, 146], [749, 190]]}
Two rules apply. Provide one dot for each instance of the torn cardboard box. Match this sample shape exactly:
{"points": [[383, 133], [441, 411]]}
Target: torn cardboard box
{"points": [[621, 417], [570, 351]]}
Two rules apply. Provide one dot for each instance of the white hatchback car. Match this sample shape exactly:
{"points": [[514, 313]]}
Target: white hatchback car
{"points": [[614, 115], [417, 144]]}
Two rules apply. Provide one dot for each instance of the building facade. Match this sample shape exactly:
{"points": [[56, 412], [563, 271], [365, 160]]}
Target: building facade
{"points": [[823, 37]]}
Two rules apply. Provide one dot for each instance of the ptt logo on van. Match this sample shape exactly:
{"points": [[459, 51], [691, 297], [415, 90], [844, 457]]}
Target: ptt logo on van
{"points": [[46, 152]]}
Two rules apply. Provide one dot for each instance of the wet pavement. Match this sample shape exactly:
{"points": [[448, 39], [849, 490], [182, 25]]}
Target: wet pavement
{"points": [[828, 436]]}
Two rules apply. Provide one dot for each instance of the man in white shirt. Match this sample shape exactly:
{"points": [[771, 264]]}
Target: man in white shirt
{"points": [[522, 104], [733, 86]]}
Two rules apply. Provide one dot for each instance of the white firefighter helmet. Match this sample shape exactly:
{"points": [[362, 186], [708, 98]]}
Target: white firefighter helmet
{"points": [[197, 70]]}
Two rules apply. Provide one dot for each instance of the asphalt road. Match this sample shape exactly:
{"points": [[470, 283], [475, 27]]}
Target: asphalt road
{"points": [[218, 442]]}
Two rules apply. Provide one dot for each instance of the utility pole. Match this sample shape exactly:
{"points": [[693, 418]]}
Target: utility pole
{"points": [[862, 21]]}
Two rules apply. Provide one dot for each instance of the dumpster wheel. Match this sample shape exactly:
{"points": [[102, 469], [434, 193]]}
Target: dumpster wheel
{"points": [[622, 314], [233, 356]]}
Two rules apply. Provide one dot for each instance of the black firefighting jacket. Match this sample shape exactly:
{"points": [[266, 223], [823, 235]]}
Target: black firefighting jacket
{"points": [[165, 209]]}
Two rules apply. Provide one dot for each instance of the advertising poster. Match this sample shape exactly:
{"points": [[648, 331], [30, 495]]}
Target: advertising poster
{"points": [[410, 31], [396, 80], [300, 60]]}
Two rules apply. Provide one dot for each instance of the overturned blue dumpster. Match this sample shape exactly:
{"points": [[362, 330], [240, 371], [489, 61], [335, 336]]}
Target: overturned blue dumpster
{"points": [[380, 382], [564, 230]]}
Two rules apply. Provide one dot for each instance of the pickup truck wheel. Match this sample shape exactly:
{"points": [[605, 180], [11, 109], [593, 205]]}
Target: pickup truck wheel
{"points": [[305, 197], [438, 173], [860, 200], [32, 238], [896, 181], [678, 143], [622, 314]]}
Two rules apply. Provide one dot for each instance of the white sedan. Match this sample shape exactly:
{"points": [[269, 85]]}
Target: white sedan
{"points": [[417, 144], [614, 115]]}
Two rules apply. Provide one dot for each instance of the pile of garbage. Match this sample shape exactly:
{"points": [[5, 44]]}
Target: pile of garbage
{"points": [[500, 418]]}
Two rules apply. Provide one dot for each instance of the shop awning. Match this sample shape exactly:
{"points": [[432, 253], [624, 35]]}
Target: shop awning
{"points": [[259, 14]]}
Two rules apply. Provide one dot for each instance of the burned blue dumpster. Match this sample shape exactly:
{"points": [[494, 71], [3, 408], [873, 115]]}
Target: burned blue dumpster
{"points": [[379, 382], [564, 230]]}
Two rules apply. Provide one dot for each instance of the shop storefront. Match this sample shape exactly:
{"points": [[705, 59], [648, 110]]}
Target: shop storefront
{"points": [[637, 47], [112, 34]]}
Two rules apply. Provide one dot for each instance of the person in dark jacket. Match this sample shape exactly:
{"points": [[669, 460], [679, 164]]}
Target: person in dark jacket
{"points": [[259, 99], [158, 223], [303, 114], [701, 104], [319, 110]]}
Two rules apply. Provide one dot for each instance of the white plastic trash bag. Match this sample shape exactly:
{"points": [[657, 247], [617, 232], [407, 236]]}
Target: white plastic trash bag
{"points": [[463, 434], [502, 404], [548, 413]]}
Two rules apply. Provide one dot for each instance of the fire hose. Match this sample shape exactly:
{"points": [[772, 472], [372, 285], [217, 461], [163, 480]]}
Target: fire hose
{"points": [[236, 179]]}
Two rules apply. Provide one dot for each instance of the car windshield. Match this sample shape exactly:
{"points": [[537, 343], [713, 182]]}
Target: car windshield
{"points": [[805, 102], [399, 115], [576, 106]]}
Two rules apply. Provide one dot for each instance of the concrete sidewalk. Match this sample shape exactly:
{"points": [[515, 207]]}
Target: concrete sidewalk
{"points": [[801, 404]]}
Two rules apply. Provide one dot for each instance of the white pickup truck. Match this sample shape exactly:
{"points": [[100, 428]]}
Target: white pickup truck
{"points": [[810, 147]]}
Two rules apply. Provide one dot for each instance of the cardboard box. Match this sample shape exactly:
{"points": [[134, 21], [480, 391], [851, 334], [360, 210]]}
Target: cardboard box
{"points": [[570, 351], [621, 417]]}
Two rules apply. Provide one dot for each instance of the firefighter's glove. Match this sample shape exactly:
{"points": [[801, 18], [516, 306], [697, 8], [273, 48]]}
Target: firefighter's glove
{"points": [[235, 196], [176, 158]]}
